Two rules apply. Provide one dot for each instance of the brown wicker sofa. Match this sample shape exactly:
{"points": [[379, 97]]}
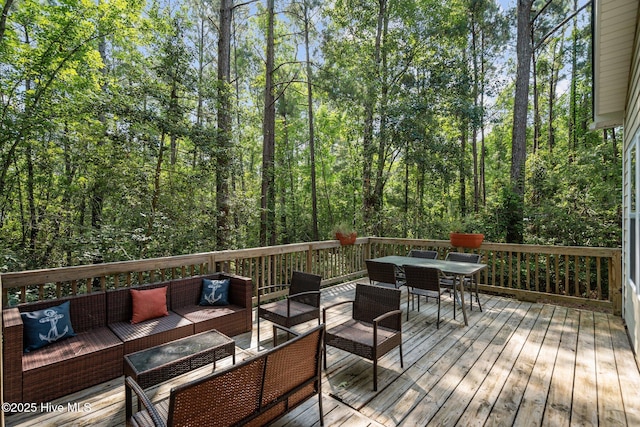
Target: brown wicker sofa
{"points": [[255, 392], [93, 356], [104, 335]]}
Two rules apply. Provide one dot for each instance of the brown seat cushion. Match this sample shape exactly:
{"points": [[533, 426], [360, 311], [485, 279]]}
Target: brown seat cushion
{"points": [[71, 364], [228, 319], [152, 332]]}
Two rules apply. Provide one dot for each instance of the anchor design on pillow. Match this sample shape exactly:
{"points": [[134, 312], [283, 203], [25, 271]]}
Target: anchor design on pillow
{"points": [[51, 316], [211, 297]]}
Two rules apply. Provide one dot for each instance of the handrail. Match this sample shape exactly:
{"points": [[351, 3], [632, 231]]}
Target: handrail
{"points": [[584, 275]]}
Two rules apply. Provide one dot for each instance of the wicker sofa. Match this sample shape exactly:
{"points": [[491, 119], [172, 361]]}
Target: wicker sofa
{"points": [[104, 335], [93, 356], [255, 392]]}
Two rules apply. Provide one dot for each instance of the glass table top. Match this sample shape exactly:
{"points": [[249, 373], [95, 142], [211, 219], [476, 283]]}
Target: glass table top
{"points": [[176, 350]]}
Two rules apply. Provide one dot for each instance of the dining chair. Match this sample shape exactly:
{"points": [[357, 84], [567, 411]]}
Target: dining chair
{"points": [[419, 253], [423, 281], [374, 329], [300, 305], [383, 274], [468, 282]]}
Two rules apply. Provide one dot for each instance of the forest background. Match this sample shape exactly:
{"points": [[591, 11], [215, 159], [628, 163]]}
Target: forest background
{"points": [[134, 129]]}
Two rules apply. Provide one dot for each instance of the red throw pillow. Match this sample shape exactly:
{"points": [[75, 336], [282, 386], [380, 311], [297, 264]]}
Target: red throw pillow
{"points": [[149, 304]]}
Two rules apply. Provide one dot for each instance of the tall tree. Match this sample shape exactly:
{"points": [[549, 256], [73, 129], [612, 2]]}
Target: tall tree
{"points": [[224, 149], [312, 144], [267, 196], [519, 133], [369, 184]]}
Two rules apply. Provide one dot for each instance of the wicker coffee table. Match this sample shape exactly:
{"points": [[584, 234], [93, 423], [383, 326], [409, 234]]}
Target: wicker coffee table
{"points": [[163, 362]]}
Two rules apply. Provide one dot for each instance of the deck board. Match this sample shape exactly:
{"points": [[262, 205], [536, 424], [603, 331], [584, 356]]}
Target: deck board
{"points": [[534, 399], [610, 404], [558, 406], [517, 363], [585, 397]]}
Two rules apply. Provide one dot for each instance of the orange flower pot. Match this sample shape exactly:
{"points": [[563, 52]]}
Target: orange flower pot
{"points": [[466, 240], [346, 239]]}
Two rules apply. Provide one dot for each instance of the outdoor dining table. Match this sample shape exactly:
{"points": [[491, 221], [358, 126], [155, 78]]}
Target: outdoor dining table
{"points": [[455, 268]]}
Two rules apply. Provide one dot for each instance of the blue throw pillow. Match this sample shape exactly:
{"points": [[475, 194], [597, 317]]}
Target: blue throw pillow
{"points": [[42, 327], [215, 292]]}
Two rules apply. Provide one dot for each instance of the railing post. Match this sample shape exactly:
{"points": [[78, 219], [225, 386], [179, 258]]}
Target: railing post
{"points": [[5, 294], [309, 259], [615, 287], [211, 268]]}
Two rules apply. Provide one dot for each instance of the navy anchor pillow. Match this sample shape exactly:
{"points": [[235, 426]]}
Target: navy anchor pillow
{"points": [[43, 327], [215, 292]]}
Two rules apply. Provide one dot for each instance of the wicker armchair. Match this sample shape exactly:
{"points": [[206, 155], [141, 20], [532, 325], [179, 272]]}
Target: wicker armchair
{"points": [[383, 274], [472, 284], [301, 305], [374, 329], [423, 281]]}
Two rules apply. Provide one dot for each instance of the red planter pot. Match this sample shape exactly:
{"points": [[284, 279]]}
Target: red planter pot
{"points": [[346, 239], [466, 240]]}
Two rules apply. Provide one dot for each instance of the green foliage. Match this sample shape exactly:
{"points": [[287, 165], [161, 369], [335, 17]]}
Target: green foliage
{"points": [[109, 144]]}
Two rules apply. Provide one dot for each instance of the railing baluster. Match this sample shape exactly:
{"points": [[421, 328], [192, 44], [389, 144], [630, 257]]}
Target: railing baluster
{"points": [[598, 278], [536, 272], [587, 264]]}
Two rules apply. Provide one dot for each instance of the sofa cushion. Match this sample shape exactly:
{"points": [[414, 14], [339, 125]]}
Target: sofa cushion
{"points": [[151, 332], [228, 319], [46, 326], [71, 365], [215, 292], [80, 345], [148, 304]]}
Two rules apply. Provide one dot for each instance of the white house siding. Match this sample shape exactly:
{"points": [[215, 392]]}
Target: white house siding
{"points": [[631, 297]]}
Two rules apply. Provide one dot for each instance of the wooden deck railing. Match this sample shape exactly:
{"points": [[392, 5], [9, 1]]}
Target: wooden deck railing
{"points": [[579, 275]]}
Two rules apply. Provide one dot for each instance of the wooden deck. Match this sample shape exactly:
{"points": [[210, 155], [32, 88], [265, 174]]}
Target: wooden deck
{"points": [[517, 363]]}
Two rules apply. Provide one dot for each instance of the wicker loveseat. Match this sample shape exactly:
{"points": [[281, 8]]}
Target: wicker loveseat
{"points": [[104, 335], [255, 392]]}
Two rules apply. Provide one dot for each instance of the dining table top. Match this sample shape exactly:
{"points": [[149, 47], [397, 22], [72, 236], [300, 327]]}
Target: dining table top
{"points": [[452, 267]]}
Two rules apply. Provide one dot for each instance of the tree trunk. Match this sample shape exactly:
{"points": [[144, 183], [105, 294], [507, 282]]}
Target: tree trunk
{"points": [[312, 145], [515, 232], [474, 123], [483, 151], [240, 160], [3, 18], [155, 197], [369, 190], [463, 148], [405, 227], [382, 140], [556, 64], [99, 184], [33, 217], [267, 200], [537, 121], [225, 146], [290, 194], [574, 77]]}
